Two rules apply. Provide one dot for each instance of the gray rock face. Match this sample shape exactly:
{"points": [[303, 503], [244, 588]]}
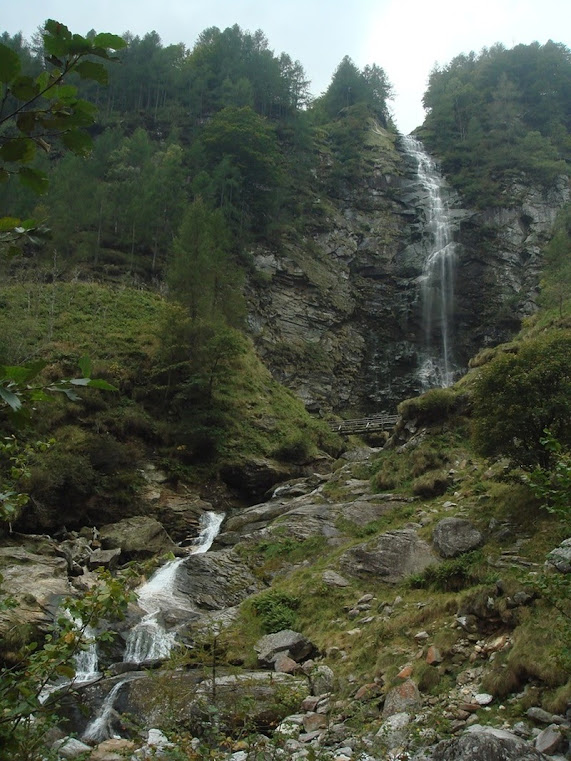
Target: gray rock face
{"points": [[287, 641], [391, 558], [486, 744], [453, 536], [215, 581]]}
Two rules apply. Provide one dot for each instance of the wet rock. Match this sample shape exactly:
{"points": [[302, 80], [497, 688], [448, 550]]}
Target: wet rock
{"points": [[453, 536], [390, 558]]}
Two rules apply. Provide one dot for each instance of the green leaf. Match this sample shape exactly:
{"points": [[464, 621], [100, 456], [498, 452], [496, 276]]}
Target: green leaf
{"points": [[107, 40], [10, 398], [99, 383], [93, 70], [85, 366], [24, 88], [77, 142], [8, 223], [9, 64], [34, 179], [21, 373], [79, 45], [19, 149], [26, 121], [57, 39]]}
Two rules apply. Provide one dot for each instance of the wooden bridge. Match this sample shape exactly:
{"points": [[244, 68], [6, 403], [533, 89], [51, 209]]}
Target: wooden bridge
{"points": [[382, 422]]}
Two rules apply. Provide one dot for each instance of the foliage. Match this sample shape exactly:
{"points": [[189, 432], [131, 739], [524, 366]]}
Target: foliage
{"points": [[15, 458], [556, 275], [36, 110], [27, 708], [276, 609], [452, 575], [492, 120], [433, 406], [517, 396], [553, 486]]}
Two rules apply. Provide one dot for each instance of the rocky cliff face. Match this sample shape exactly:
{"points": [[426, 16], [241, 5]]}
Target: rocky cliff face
{"points": [[338, 318]]}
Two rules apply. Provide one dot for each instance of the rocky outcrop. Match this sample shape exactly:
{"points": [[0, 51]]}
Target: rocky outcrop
{"points": [[138, 538], [389, 558], [487, 744], [293, 644]]}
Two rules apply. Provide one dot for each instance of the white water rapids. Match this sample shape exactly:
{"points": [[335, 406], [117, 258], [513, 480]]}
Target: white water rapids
{"points": [[437, 282], [149, 640]]}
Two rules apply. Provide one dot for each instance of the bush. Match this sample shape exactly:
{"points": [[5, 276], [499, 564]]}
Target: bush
{"points": [[431, 407], [516, 397], [297, 448], [277, 610]]}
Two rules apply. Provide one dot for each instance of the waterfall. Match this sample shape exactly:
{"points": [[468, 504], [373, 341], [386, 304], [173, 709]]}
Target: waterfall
{"points": [[86, 661], [437, 281], [149, 640], [101, 727]]}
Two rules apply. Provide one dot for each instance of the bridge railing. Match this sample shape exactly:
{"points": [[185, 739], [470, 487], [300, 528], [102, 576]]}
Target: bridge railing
{"points": [[363, 425]]}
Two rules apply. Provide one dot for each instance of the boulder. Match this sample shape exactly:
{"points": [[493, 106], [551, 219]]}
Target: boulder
{"points": [[391, 557], [322, 679], [333, 579], [252, 477], [71, 747], [104, 559], [138, 538], [404, 698], [549, 740], [294, 644], [453, 536], [180, 515], [394, 730], [486, 744], [560, 557]]}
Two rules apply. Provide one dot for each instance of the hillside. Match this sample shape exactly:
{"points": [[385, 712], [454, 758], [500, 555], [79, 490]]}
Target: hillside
{"points": [[244, 268]]}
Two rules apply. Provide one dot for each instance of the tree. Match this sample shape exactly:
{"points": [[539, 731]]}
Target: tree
{"points": [[37, 111]]}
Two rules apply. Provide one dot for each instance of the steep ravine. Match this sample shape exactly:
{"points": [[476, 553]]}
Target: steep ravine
{"points": [[338, 317]]}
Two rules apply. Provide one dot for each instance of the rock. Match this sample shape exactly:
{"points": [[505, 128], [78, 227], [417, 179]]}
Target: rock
{"points": [[333, 579], [286, 641], [453, 536], [405, 698], [70, 747], [114, 749], [550, 740], [180, 515], [421, 636], [405, 672], [483, 699], [391, 557], [322, 679], [314, 721], [394, 730], [560, 557], [108, 559], [252, 477], [367, 691], [138, 538], [433, 656], [284, 664], [538, 714], [486, 744]]}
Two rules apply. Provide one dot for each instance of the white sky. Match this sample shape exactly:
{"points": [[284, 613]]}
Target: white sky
{"points": [[405, 37]]}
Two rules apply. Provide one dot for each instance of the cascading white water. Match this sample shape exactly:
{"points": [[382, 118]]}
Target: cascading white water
{"points": [[87, 661], [437, 282], [100, 728], [149, 640]]}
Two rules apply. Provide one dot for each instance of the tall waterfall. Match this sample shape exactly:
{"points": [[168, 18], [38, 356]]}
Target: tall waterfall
{"points": [[437, 281], [150, 640]]}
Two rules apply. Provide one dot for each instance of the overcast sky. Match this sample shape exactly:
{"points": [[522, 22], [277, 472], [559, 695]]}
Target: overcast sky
{"points": [[405, 37]]}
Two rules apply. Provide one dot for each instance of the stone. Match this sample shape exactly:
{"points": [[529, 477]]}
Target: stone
{"points": [[538, 714], [333, 579], [404, 698], [421, 636], [483, 699], [549, 740], [560, 557], [287, 641], [138, 538], [405, 672], [322, 679], [390, 558], [314, 721], [453, 536], [114, 749], [254, 476], [486, 744], [70, 747], [284, 664], [394, 730], [433, 656], [367, 691], [108, 559]]}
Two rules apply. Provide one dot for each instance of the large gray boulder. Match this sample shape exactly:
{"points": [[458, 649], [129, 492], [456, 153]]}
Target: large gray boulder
{"points": [[391, 557], [139, 538], [287, 641], [560, 557], [453, 536], [404, 698], [486, 744]]}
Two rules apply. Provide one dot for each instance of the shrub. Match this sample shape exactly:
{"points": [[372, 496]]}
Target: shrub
{"points": [[297, 448], [277, 610], [434, 405], [516, 397]]}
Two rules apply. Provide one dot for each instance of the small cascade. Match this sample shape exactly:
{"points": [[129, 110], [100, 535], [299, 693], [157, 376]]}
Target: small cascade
{"points": [[149, 640], [86, 661], [437, 282], [101, 727]]}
